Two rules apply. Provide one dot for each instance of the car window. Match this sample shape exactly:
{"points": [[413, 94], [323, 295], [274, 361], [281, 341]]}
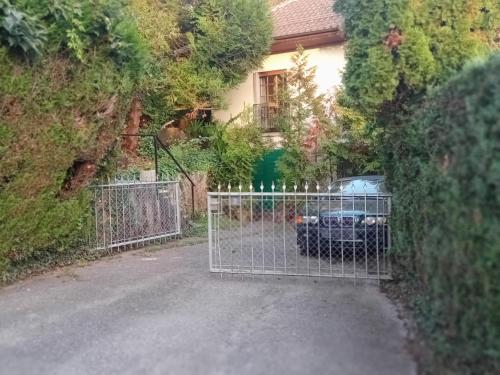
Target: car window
{"points": [[359, 186]]}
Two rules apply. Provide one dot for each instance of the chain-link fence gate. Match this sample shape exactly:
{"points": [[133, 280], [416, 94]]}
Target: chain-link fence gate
{"points": [[330, 234], [131, 213]]}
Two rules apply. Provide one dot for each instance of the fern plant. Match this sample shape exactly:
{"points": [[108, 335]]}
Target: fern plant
{"points": [[19, 32]]}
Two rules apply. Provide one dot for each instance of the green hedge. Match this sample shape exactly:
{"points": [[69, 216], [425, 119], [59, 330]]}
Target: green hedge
{"points": [[447, 218], [67, 73]]}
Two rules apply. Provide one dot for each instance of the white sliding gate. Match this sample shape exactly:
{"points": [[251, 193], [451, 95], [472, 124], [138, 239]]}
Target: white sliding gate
{"points": [[300, 233]]}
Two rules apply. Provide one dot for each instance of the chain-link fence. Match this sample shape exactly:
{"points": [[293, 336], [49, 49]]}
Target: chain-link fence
{"points": [[320, 233], [131, 213]]}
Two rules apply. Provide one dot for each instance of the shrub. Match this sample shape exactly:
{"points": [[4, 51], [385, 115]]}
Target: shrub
{"points": [[231, 36], [238, 146], [447, 218], [191, 155]]}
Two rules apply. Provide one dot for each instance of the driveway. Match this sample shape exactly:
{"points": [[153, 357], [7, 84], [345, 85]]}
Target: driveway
{"points": [[161, 312]]}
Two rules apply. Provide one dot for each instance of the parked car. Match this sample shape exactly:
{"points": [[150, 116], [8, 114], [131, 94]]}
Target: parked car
{"points": [[353, 216]]}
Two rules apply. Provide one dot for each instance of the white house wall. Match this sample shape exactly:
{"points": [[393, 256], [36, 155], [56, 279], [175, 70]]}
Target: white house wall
{"points": [[329, 62]]}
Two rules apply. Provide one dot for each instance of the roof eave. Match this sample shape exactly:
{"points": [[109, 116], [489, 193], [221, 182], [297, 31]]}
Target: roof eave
{"points": [[308, 40]]}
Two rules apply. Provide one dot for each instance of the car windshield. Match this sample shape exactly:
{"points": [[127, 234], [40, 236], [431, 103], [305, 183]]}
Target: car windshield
{"points": [[367, 185], [357, 194]]}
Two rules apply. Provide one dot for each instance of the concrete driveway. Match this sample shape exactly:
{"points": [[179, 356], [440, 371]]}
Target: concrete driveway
{"points": [[161, 312]]}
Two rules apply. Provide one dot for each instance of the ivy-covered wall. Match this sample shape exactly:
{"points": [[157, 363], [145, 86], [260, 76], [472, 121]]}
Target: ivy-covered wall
{"points": [[68, 73]]}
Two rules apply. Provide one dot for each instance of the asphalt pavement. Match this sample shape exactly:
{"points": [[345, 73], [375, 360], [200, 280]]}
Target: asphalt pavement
{"points": [[162, 312]]}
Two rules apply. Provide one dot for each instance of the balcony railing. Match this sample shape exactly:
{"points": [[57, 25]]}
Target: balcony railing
{"points": [[267, 116]]}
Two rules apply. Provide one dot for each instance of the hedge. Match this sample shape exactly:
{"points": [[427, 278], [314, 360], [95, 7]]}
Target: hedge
{"points": [[446, 186]]}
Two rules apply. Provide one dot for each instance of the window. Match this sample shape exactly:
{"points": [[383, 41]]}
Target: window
{"points": [[271, 84]]}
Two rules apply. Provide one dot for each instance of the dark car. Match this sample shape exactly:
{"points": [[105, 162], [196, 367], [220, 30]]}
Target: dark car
{"points": [[352, 216]]}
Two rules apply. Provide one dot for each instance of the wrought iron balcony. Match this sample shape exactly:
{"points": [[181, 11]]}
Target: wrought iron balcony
{"points": [[267, 116]]}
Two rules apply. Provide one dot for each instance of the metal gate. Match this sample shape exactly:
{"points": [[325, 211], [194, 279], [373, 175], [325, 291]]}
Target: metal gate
{"points": [[135, 213], [318, 233]]}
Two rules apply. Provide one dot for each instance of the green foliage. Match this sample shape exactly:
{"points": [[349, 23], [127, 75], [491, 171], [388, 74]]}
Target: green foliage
{"points": [[442, 164], [228, 153], [192, 154], [127, 48], [199, 52], [68, 106], [446, 219], [192, 87], [350, 144], [49, 120], [231, 36], [65, 108], [22, 33], [398, 47], [238, 146], [344, 144], [158, 26], [225, 39], [302, 105], [75, 28], [158, 22]]}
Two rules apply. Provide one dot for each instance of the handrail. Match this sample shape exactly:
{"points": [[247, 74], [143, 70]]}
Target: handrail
{"points": [[167, 150], [157, 141]]}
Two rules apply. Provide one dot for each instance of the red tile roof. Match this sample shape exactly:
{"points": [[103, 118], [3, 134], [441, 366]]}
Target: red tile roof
{"points": [[295, 17]]}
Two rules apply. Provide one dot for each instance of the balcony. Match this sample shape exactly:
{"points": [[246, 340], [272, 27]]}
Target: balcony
{"points": [[267, 116]]}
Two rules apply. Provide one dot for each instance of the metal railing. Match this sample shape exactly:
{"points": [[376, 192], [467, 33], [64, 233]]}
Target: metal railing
{"points": [[137, 213], [267, 116], [302, 233]]}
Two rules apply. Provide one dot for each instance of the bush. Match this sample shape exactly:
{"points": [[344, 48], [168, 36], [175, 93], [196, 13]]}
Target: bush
{"points": [[227, 153], [447, 218], [231, 36], [238, 146], [191, 155]]}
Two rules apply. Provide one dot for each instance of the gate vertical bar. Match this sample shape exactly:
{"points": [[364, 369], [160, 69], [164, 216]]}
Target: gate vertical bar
{"points": [[109, 211], [241, 229], [262, 221], [230, 223], [353, 236], [376, 236], [178, 207], [124, 233], [284, 225], [389, 225], [210, 247], [251, 224], [342, 227], [274, 239], [296, 232], [219, 214], [319, 233], [306, 187], [104, 245], [96, 214], [330, 227], [366, 237]]}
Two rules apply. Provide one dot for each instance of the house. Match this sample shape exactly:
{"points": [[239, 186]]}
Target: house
{"points": [[310, 23]]}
